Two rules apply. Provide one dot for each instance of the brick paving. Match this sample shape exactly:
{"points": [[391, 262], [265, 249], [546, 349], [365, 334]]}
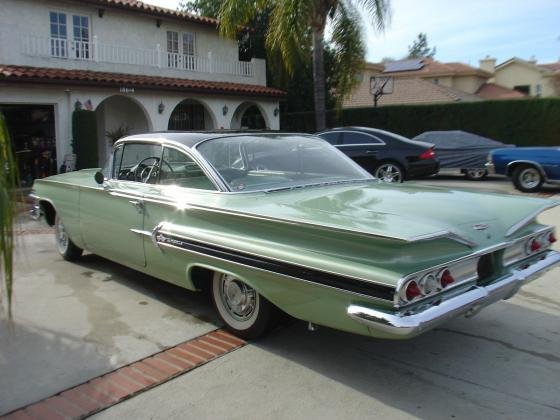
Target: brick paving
{"points": [[111, 388]]}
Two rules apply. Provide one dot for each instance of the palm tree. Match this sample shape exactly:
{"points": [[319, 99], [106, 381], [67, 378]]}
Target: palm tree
{"points": [[8, 183], [297, 27]]}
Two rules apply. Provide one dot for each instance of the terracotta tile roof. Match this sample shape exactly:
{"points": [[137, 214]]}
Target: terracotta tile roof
{"points": [[9, 73], [409, 91], [494, 91], [139, 6], [551, 66], [433, 68]]}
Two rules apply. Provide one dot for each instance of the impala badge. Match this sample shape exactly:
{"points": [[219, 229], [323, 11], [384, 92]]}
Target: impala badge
{"points": [[480, 226]]}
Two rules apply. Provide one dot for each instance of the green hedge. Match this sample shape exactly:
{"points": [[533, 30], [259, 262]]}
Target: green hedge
{"points": [[521, 122], [84, 143]]}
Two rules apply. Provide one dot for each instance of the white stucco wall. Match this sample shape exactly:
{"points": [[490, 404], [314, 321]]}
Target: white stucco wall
{"points": [[64, 97], [22, 18]]}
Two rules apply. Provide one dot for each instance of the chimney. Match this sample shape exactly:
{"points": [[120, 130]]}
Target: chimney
{"points": [[532, 60], [487, 64]]}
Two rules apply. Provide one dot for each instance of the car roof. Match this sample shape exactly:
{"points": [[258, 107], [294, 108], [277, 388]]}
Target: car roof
{"points": [[358, 128], [192, 138]]}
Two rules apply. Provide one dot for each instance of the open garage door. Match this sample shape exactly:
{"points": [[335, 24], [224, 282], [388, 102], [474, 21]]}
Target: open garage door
{"points": [[32, 132]]}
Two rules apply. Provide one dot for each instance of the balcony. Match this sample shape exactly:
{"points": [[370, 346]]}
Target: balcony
{"points": [[96, 55]]}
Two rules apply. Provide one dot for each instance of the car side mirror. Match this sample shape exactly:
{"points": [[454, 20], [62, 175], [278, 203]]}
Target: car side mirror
{"points": [[99, 177]]}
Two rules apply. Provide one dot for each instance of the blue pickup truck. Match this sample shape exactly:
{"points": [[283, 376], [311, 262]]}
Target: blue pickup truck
{"points": [[528, 167]]}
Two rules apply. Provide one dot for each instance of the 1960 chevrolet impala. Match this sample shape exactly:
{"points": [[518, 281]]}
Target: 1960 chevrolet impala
{"points": [[286, 222]]}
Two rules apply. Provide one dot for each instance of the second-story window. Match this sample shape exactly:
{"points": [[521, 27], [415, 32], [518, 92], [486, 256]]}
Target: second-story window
{"points": [[80, 45], [58, 34], [188, 51], [172, 49]]}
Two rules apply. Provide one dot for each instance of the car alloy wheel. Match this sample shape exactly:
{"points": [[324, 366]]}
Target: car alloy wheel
{"points": [[62, 240], [389, 172], [476, 174]]}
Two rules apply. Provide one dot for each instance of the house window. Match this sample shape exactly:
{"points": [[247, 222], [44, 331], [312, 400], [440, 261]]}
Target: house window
{"points": [[58, 34], [526, 89], [435, 81], [538, 90], [172, 49], [80, 45], [188, 51]]}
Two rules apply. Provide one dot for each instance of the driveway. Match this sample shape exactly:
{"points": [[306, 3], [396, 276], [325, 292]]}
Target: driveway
{"points": [[75, 321]]}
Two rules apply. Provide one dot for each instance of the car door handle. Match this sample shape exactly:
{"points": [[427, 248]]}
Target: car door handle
{"points": [[139, 204], [371, 152]]}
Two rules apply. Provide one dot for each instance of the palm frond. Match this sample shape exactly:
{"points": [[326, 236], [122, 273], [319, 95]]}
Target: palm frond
{"points": [[8, 184], [289, 31], [349, 50], [379, 11], [235, 14]]}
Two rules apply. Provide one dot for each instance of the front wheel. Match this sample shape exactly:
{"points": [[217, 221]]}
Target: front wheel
{"points": [[64, 244], [389, 172], [244, 312], [527, 178], [476, 174]]}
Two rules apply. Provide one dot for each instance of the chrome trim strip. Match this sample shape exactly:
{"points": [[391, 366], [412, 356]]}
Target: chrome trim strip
{"points": [[164, 229], [405, 325], [378, 143], [166, 245], [141, 232], [528, 219]]}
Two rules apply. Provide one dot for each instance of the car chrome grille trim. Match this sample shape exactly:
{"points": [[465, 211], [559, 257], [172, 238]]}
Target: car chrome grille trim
{"points": [[291, 270]]}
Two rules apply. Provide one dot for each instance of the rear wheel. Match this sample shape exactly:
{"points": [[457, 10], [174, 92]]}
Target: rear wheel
{"points": [[476, 174], [64, 244], [244, 312], [389, 172], [527, 178]]}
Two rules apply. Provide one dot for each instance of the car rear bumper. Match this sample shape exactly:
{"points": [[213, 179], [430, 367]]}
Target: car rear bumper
{"points": [[406, 325], [422, 168]]}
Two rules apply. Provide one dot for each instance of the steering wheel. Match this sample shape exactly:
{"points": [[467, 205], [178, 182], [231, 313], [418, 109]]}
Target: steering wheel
{"points": [[144, 172]]}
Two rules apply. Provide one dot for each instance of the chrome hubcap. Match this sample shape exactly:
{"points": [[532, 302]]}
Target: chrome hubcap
{"points": [[476, 173], [388, 173], [529, 178], [61, 237], [238, 298]]}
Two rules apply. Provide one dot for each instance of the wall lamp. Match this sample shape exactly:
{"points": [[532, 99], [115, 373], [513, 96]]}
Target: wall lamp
{"points": [[276, 111], [158, 22], [161, 108], [100, 12], [225, 110]]}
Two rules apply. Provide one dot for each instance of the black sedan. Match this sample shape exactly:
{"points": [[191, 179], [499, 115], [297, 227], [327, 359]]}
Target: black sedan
{"points": [[387, 156]]}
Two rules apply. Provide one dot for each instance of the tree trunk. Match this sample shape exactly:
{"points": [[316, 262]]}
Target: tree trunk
{"points": [[319, 78]]}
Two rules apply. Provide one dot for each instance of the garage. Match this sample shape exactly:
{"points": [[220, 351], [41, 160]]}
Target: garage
{"points": [[32, 131]]}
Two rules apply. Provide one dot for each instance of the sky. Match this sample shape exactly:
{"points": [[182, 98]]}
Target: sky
{"points": [[465, 30]]}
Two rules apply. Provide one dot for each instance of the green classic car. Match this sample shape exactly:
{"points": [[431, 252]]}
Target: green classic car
{"points": [[285, 222]]}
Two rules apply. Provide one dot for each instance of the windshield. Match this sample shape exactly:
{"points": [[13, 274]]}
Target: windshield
{"points": [[253, 162]]}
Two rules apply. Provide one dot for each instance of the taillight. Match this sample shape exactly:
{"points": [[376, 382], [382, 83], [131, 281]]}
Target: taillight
{"points": [[412, 291], [534, 245], [446, 278], [551, 238], [427, 154]]}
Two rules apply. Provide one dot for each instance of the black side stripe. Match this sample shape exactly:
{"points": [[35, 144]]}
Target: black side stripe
{"points": [[292, 270]]}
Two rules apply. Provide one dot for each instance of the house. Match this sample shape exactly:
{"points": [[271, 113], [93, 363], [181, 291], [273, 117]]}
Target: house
{"points": [[424, 81], [138, 66], [526, 76]]}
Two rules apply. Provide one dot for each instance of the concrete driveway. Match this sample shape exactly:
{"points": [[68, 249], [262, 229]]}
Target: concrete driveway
{"points": [[74, 321]]}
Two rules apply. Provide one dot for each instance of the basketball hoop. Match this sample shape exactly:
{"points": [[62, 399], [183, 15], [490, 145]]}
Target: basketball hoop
{"points": [[381, 85]]}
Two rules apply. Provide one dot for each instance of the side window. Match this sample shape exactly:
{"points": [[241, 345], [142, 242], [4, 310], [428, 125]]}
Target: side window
{"points": [[332, 138], [359, 138], [137, 162], [177, 168]]}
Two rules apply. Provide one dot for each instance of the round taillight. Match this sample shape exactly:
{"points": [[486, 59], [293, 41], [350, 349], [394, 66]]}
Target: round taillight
{"points": [[534, 245], [412, 290], [552, 238], [446, 278]]}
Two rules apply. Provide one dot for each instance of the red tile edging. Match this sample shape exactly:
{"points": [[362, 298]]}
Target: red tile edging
{"points": [[111, 388]]}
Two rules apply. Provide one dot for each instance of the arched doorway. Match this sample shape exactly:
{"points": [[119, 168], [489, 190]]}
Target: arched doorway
{"points": [[190, 115], [118, 116], [248, 115]]}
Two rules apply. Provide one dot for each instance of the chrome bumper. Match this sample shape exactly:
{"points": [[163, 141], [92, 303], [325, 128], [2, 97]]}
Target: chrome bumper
{"points": [[406, 325], [35, 213], [490, 168]]}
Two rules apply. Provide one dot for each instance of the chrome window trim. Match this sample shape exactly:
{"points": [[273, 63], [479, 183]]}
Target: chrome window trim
{"points": [[380, 143]]}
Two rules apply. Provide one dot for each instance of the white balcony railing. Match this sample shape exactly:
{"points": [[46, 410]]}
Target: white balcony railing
{"points": [[108, 53]]}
